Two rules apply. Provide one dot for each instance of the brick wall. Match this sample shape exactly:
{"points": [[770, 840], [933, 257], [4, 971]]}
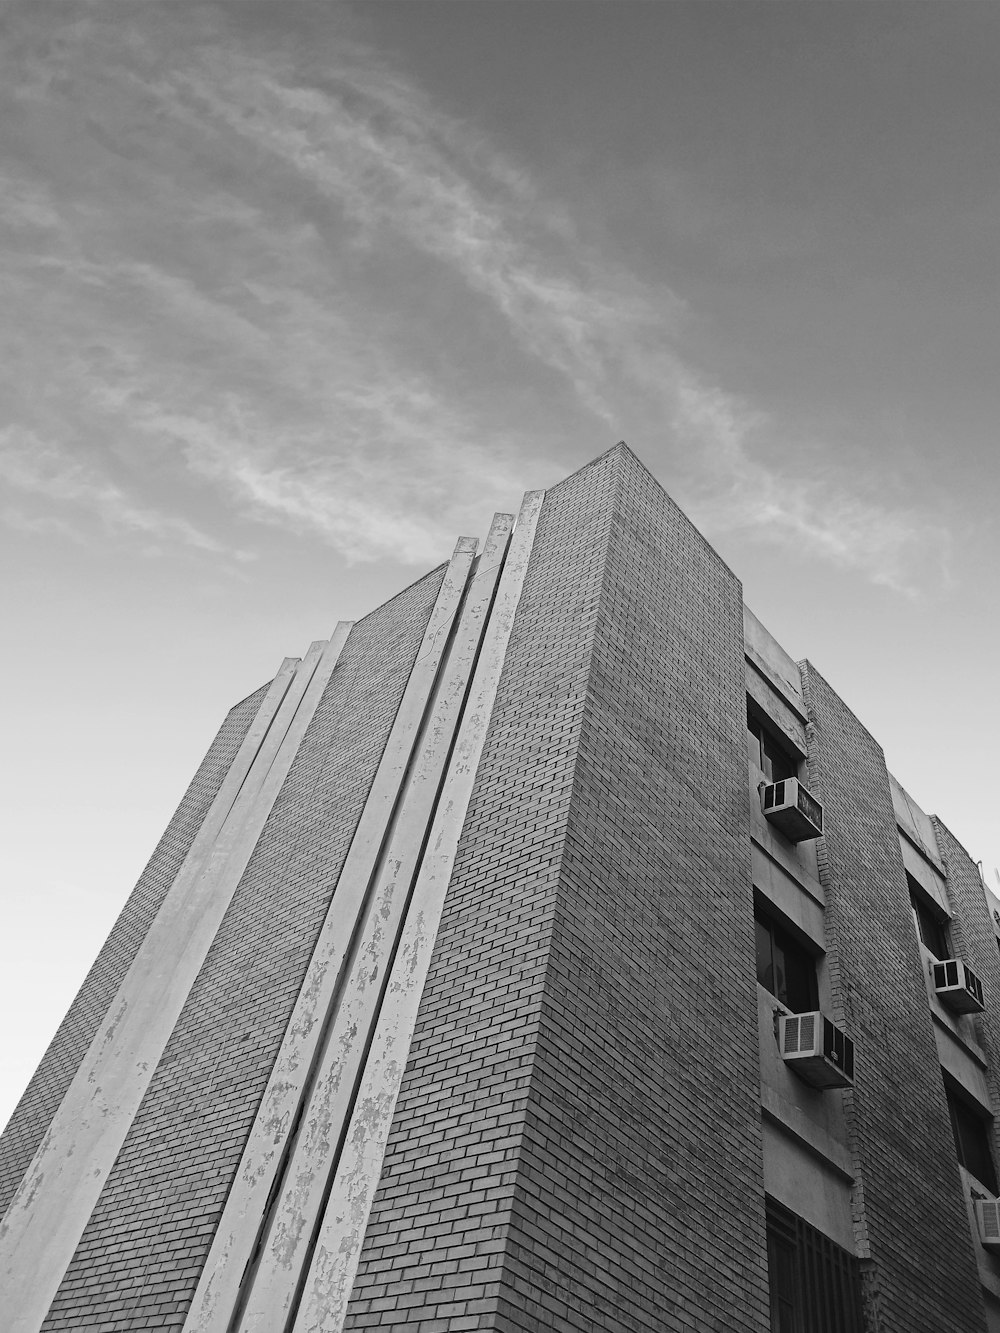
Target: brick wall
{"points": [[140, 1256], [919, 1270], [577, 1139], [72, 1040], [974, 940]]}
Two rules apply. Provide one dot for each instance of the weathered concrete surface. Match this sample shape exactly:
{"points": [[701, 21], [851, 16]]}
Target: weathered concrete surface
{"points": [[338, 1248], [219, 1288], [72, 1039], [47, 1216], [374, 935]]}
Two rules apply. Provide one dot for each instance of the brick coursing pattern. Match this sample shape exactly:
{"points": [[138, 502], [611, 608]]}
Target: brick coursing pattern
{"points": [[910, 1220], [576, 1144], [71, 1042], [142, 1251], [973, 939]]}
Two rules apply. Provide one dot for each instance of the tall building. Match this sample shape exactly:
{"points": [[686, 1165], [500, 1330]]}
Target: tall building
{"points": [[545, 951]]}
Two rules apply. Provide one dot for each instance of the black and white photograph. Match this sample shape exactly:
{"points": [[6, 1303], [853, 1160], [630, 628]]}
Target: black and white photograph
{"points": [[500, 521]]}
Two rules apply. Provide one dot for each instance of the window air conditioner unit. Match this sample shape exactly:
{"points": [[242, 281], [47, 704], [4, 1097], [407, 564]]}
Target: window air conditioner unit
{"points": [[792, 809], [957, 986], [816, 1050], [988, 1221]]}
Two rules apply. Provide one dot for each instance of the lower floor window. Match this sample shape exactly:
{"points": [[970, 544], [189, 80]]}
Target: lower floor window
{"points": [[973, 1130], [814, 1284]]}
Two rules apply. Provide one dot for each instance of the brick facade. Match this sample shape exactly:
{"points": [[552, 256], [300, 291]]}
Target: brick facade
{"points": [[911, 1225], [577, 1140], [139, 1258], [567, 1111], [974, 940], [73, 1037]]}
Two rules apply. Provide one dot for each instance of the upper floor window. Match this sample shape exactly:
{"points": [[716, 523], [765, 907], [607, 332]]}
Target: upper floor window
{"points": [[767, 752], [972, 1129], [931, 925], [784, 967]]}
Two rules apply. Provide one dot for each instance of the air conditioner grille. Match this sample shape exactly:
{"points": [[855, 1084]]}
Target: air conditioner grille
{"points": [[810, 807], [816, 1049], [800, 1033], [957, 985], [838, 1048], [990, 1212]]}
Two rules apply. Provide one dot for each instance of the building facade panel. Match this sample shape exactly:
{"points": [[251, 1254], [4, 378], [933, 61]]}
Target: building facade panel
{"points": [[910, 1217], [496, 938], [639, 1200], [608, 845], [139, 1258], [54, 1074], [973, 939], [437, 1233]]}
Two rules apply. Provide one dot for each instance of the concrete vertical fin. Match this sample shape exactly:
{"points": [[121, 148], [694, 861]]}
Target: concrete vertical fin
{"points": [[223, 1285], [47, 1217], [552, 1138], [333, 1088], [331, 1274]]}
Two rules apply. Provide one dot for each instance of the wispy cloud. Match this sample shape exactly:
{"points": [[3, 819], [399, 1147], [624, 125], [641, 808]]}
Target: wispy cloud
{"points": [[372, 331], [39, 468]]}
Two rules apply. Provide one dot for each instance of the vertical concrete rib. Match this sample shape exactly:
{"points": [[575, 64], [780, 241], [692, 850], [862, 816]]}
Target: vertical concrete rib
{"points": [[331, 1274], [224, 1284], [47, 1216], [316, 1152]]}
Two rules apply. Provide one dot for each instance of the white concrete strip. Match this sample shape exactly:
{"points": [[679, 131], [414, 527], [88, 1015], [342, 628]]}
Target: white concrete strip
{"points": [[47, 1217], [331, 1276], [233, 848], [219, 1288], [48, 1213], [342, 1058]]}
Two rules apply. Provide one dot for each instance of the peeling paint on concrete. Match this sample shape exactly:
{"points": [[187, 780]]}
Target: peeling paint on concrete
{"points": [[334, 1263], [219, 1288], [356, 1005], [46, 1218]]}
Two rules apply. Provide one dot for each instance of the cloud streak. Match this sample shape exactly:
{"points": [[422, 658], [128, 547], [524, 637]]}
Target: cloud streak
{"points": [[36, 467], [358, 336]]}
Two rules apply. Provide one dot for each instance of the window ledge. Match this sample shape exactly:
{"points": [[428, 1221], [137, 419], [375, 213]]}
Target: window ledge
{"points": [[796, 1123]]}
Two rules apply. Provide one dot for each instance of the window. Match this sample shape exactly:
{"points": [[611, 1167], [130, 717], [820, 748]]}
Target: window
{"points": [[784, 967], [972, 1129], [767, 752], [931, 925], [814, 1284]]}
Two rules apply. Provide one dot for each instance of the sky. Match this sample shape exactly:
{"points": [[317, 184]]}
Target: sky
{"points": [[293, 294]]}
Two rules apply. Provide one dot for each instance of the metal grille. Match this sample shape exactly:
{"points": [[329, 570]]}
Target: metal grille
{"points": [[819, 1291], [810, 807], [838, 1047], [990, 1214]]}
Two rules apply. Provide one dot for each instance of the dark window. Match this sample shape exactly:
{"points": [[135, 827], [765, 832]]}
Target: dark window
{"points": [[931, 926], [972, 1130], [767, 752], [783, 967], [814, 1283]]}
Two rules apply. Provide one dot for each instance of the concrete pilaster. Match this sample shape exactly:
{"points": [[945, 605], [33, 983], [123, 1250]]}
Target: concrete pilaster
{"points": [[225, 1291], [47, 1215], [582, 1078], [338, 1247]]}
